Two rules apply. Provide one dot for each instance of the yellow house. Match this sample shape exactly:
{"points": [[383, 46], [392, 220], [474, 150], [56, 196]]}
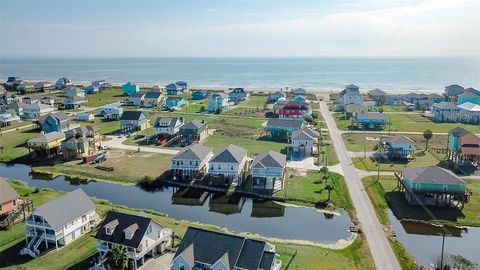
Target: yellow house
{"points": [[46, 144]]}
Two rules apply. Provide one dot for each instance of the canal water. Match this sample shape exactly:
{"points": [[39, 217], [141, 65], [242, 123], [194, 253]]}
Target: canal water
{"points": [[424, 241], [238, 214]]}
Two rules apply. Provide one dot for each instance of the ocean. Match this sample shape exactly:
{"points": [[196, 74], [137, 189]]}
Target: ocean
{"points": [[325, 74]]}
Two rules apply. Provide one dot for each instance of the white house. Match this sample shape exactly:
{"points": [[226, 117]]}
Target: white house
{"points": [[136, 99], [218, 102], [59, 222], [191, 162], [8, 117], [168, 126], [352, 98], [229, 166], [397, 147], [112, 111], [203, 249], [140, 235], [72, 92], [305, 141], [36, 110], [90, 117], [268, 170]]}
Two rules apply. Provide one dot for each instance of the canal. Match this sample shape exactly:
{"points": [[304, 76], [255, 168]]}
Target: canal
{"points": [[238, 214]]}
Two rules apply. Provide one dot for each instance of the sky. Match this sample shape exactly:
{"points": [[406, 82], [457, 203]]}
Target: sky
{"points": [[235, 28]]}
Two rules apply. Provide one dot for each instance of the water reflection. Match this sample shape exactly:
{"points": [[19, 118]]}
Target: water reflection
{"points": [[239, 214]]}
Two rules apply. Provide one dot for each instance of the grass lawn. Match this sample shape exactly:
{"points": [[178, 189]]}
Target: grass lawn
{"points": [[219, 140], [383, 195], [354, 141], [309, 188], [255, 101], [250, 112], [12, 144], [76, 254], [367, 164], [332, 158], [106, 96], [129, 167], [15, 125], [410, 123]]}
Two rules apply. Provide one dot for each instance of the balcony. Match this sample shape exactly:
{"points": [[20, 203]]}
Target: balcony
{"points": [[102, 247]]}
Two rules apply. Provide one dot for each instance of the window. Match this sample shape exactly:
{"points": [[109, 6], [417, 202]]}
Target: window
{"points": [[219, 167], [445, 187], [231, 167], [149, 230], [417, 186], [182, 267], [108, 231], [14, 202], [191, 162], [1, 207]]}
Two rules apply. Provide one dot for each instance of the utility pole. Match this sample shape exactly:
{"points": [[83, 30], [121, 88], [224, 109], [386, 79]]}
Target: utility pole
{"points": [[364, 143], [443, 246], [389, 123]]}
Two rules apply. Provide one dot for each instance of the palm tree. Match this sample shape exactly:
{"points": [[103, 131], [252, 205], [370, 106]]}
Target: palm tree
{"points": [[380, 110], [118, 257], [427, 135], [329, 188]]}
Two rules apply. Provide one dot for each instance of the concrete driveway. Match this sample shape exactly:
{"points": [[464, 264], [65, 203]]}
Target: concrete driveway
{"points": [[160, 263]]}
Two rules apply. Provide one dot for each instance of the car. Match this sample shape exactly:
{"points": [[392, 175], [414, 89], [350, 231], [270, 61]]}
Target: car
{"points": [[105, 147]]}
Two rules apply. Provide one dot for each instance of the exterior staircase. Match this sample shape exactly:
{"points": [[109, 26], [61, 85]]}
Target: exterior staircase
{"points": [[32, 247]]}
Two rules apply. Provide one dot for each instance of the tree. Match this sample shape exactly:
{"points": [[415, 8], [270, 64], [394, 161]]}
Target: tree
{"points": [[329, 188], [427, 135], [380, 110], [118, 257]]}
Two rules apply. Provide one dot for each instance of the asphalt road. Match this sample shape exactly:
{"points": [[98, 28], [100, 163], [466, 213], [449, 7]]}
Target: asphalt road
{"points": [[380, 248]]}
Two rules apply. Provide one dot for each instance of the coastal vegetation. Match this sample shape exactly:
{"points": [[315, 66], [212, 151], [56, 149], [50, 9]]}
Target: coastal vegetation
{"points": [[78, 254]]}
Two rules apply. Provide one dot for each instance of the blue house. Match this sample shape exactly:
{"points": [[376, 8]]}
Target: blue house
{"points": [[218, 102], [91, 89], [182, 85], [59, 122], [281, 128], [130, 88], [300, 98], [469, 95], [175, 103], [238, 94], [176, 88], [445, 112], [198, 95], [396, 99], [370, 120]]}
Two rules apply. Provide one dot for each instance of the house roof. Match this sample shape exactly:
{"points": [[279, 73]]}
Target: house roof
{"points": [[137, 95], [153, 95], [231, 153], [398, 139], [219, 94], [469, 106], [195, 124], [295, 106], [199, 245], [237, 90], [472, 91], [66, 208], [305, 134], [121, 222], [445, 105], [7, 193], [276, 122], [174, 98], [431, 174], [83, 129], [193, 152], [131, 115], [167, 121], [278, 93], [459, 132], [269, 159], [371, 116], [60, 116], [376, 92], [48, 137]]}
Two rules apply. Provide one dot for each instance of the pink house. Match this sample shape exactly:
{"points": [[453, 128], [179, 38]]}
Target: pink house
{"points": [[9, 200]]}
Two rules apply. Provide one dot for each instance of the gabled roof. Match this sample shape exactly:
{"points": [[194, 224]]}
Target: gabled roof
{"points": [[219, 94], [65, 209], [121, 222], [459, 132], [195, 124], [132, 115], [137, 95], [194, 152], [278, 93], [153, 95], [48, 137], [295, 106], [7, 193], [269, 159], [231, 153], [305, 134], [167, 121], [83, 129], [199, 245], [445, 105], [60, 116], [398, 139], [276, 122], [469, 106], [431, 174], [174, 98], [376, 92]]}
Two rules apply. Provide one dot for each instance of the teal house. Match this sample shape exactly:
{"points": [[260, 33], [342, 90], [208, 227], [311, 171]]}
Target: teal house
{"points": [[469, 95], [281, 128], [432, 186], [199, 95], [130, 88], [370, 120], [300, 98], [175, 103]]}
